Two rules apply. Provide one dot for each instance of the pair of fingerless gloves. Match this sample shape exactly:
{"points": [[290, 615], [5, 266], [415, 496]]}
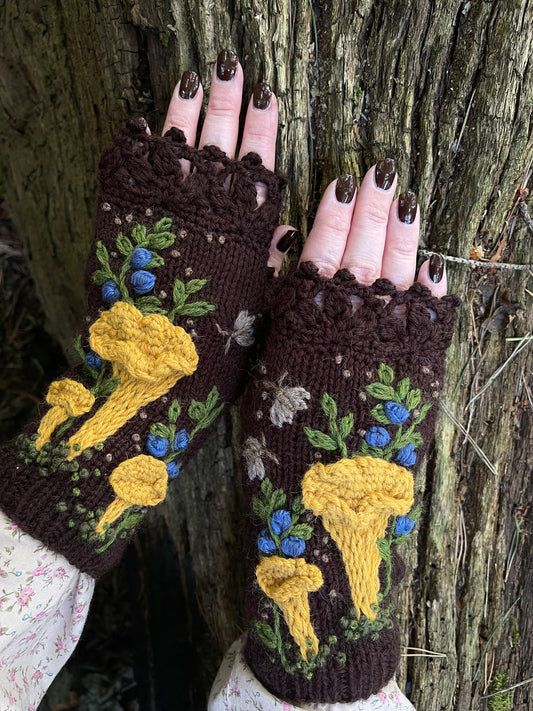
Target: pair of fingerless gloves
{"points": [[338, 412]]}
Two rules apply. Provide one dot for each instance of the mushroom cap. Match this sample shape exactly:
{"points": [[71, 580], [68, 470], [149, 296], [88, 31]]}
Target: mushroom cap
{"points": [[149, 348], [141, 481], [284, 579], [70, 396]]}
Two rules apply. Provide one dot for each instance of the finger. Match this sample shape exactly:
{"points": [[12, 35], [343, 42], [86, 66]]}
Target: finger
{"points": [[284, 238], [364, 249], [433, 275], [326, 242], [185, 105], [261, 126], [399, 255], [221, 125]]}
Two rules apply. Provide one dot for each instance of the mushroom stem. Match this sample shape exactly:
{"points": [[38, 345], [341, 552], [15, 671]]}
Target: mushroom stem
{"points": [[355, 498], [115, 509], [52, 419]]}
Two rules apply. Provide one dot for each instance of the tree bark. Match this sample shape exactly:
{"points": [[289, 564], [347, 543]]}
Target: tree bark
{"points": [[447, 90]]}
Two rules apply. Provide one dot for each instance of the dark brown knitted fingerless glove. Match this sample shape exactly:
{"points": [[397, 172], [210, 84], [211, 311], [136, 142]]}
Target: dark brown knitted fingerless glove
{"points": [[175, 292], [336, 419]]}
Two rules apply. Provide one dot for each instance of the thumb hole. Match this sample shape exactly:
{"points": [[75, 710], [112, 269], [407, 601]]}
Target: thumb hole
{"points": [[283, 239]]}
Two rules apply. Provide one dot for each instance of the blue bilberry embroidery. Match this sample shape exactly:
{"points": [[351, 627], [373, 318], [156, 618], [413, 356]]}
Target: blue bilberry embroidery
{"points": [[142, 281], [166, 442], [404, 526]]}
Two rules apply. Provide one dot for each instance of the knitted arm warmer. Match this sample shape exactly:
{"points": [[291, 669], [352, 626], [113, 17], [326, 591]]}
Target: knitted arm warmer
{"points": [[336, 419], [175, 293]]}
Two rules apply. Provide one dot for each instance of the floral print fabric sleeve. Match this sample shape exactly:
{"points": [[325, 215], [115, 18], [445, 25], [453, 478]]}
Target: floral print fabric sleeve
{"points": [[175, 286], [337, 417], [44, 601]]}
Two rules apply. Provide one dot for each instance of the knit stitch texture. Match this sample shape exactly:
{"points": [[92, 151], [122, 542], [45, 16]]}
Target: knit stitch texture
{"points": [[176, 288], [337, 416]]}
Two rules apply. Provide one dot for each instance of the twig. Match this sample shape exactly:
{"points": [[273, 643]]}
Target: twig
{"points": [[500, 623], [487, 587], [455, 145], [477, 262], [523, 343], [509, 688], [427, 653], [474, 444]]}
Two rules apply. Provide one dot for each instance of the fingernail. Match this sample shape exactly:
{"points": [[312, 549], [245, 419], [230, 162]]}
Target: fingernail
{"points": [[262, 95], [436, 268], [345, 188], [226, 65], [190, 81], [288, 239], [384, 173], [407, 204]]}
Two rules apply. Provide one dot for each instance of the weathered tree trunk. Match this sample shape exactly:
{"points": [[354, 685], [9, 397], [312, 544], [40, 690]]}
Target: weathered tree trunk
{"points": [[444, 87]]}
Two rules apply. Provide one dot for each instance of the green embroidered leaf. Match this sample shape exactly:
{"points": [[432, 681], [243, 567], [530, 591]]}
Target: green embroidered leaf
{"points": [[209, 418], [194, 285], [385, 374], [380, 391], [178, 293], [100, 276], [277, 500], [162, 225], [378, 413], [371, 451], [346, 425], [423, 412], [138, 234], [259, 509], [198, 308], [78, 348], [409, 437], [267, 488], [156, 261], [329, 406], [124, 245], [302, 530], [161, 241], [297, 506], [196, 410], [160, 430], [413, 399], [148, 302], [319, 439], [102, 255], [174, 412], [108, 386], [212, 398], [383, 548], [403, 388], [266, 634], [131, 520], [415, 513]]}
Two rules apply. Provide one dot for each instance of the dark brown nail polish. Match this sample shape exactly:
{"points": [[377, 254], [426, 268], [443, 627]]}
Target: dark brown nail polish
{"points": [[190, 81], [262, 95], [436, 268], [407, 205], [345, 188], [384, 173], [226, 65], [288, 239]]}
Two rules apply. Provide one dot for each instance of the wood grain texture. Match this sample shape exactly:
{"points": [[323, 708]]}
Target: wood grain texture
{"points": [[447, 90]]}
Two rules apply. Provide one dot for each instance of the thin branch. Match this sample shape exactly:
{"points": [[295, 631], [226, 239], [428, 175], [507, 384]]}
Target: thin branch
{"points": [[477, 262], [509, 688], [472, 441]]}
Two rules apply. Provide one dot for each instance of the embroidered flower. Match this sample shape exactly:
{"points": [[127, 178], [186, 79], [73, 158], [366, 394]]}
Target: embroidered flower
{"points": [[377, 436], [181, 440], [404, 525], [93, 359], [265, 543], [243, 331], [24, 596], [140, 257], [110, 292], [142, 281], [287, 402], [253, 450], [173, 469], [280, 521], [406, 455], [157, 446], [293, 546], [396, 413]]}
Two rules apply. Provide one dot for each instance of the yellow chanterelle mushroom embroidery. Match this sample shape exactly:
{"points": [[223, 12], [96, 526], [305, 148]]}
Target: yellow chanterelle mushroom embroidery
{"points": [[355, 498], [149, 354], [68, 399], [288, 581], [141, 481]]}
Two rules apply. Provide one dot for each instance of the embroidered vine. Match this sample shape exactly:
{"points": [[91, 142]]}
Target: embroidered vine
{"points": [[165, 442], [339, 429], [399, 533], [140, 255]]}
